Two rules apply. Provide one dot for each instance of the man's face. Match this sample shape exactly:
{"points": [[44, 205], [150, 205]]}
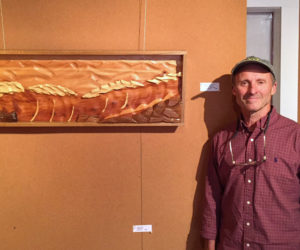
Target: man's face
{"points": [[253, 88]]}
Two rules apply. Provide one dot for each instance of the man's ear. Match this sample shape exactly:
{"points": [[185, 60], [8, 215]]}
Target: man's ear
{"points": [[233, 90], [274, 88]]}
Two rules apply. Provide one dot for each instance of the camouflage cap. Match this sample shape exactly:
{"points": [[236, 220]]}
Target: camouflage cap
{"points": [[254, 60]]}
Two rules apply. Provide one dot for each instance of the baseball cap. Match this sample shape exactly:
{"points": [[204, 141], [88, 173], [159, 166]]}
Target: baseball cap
{"points": [[254, 60]]}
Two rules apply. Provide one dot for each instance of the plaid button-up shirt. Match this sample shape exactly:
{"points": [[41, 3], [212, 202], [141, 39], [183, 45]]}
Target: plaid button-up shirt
{"points": [[254, 206]]}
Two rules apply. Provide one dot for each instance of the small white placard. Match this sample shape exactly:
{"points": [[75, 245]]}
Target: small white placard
{"points": [[142, 228], [209, 86]]}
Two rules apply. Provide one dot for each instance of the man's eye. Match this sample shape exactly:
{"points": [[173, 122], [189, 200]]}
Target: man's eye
{"points": [[243, 83]]}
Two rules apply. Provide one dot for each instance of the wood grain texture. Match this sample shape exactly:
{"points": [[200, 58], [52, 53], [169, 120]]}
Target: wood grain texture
{"points": [[58, 87]]}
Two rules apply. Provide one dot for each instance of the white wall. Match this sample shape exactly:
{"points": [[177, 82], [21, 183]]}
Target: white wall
{"points": [[288, 54]]}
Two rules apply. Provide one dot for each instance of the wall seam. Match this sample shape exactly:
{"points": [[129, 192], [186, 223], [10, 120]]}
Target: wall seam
{"points": [[141, 165], [140, 21], [145, 22], [2, 25], [142, 25], [142, 46]]}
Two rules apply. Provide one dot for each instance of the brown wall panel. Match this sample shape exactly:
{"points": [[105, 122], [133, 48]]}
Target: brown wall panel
{"points": [[69, 25], [213, 34], [86, 188], [69, 191], [78, 190]]}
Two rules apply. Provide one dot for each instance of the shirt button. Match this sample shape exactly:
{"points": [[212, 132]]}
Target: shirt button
{"points": [[249, 181], [247, 245], [251, 139], [248, 224], [248, 202], [250, 160]]}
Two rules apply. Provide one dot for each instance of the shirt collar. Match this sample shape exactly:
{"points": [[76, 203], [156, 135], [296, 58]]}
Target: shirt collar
{"points": [[260, 124]]}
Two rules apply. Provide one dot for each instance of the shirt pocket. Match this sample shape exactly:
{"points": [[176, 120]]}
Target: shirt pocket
{"points": [[282, 174]]}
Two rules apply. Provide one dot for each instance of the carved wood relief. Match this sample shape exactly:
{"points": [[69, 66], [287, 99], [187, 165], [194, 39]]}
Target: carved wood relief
{"points": [[90, 89]]}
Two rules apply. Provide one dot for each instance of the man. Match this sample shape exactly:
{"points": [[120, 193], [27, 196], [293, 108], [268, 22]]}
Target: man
{"points": [[252, 197]]}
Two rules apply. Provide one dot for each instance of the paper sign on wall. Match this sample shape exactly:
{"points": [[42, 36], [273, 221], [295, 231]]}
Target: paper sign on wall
{"points": [[142, 228], [209, 86]]}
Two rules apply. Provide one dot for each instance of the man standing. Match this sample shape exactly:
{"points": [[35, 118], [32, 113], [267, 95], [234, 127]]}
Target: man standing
{"points": [[252, 196]]}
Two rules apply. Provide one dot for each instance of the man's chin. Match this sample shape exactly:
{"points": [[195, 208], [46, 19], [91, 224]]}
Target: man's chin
{"points": [[251, 107]]}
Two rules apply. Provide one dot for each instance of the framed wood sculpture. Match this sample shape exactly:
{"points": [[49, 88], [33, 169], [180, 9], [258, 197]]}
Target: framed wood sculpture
{"points": [[91, 88]]}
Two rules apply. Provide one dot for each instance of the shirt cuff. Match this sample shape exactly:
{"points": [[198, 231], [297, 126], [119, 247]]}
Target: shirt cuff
{"points": [[208, 235]]}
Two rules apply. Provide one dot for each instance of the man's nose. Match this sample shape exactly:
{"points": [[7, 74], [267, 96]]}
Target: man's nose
{"points": [[252, 88]]}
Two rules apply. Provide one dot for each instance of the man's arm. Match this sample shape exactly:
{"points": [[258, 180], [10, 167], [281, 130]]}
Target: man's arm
{"points": [[212, 203], [210, 245]]}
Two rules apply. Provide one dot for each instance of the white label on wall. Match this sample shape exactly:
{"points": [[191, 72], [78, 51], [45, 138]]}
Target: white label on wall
{"points": [[209, 86], [142, 228]]}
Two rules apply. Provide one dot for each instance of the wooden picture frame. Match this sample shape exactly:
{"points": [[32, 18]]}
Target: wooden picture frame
{"points": [[91, 88]]}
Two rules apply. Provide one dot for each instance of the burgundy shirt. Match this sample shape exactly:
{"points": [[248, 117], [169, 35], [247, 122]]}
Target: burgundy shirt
{"points": [[254, 207]]}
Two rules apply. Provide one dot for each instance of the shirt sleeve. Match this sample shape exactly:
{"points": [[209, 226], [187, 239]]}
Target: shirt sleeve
{"points": [[212, 199]]}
